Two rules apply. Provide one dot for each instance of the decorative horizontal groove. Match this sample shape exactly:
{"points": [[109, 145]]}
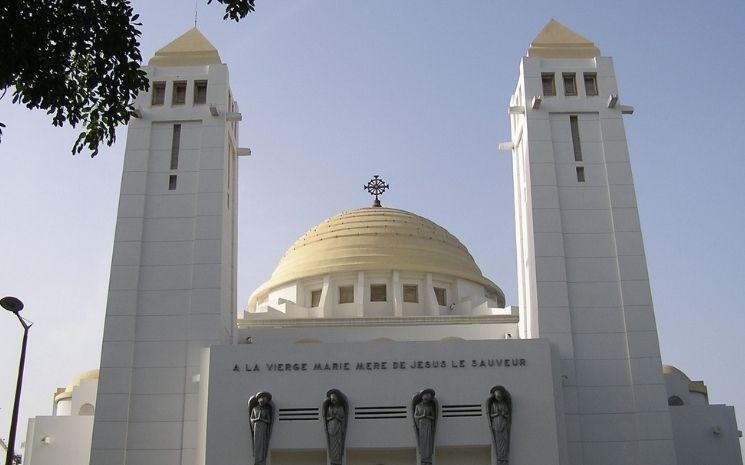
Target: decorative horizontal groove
{"points": [[461, 415], [379, 321], [379, 417], [445, 407]]}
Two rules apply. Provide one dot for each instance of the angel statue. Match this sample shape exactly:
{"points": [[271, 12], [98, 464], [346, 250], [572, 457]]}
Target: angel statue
{"points": [[424, 406], [262, 418], [499, 406], [335, 409]]}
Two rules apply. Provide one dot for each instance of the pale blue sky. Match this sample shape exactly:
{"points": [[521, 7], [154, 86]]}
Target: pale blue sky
{"points": [[334, 91]]}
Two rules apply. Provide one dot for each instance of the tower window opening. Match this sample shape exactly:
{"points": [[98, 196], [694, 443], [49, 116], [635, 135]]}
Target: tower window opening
{"points": [[675, 401], [346, 294], [87, 409], [172, 182], [159, 93], [315, 298], [175, 146], [378, 293], [200, 92], [581, 174], [591, 84], [411, 293], [441, 295], [574, 126], [570, 84], [549, 86], [179, 92]]}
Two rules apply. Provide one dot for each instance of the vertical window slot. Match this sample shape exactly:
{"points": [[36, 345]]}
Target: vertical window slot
{"points": [[576, 143], [378, 293], [570, 84], [549, 86], [175, 145], [172, 182], [441, 295], [591, 84], [346, 294], [411, 293], [159, 93], [200, 92], [179, 92], [315, 298], [580, 174]]}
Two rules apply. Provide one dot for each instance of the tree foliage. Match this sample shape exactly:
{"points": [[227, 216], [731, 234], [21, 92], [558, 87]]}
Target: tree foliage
{"points": [[236, 9], [79, 60]]}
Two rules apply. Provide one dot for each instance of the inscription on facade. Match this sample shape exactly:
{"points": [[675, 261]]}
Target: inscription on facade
{"points": [[379, 365]]}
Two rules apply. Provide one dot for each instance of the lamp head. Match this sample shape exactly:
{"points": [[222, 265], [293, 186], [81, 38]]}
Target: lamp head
{"points": [[11, 304]]}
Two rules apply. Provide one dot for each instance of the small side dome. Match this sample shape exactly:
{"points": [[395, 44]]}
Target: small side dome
{"points": [[669, 369], [67, 392]]}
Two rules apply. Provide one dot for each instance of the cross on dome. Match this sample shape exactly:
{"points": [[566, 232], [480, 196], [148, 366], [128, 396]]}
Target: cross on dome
{"points": [[376, 186]]}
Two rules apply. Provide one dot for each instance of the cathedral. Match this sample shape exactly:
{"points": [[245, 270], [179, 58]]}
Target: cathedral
{"points": [[377, 340]]}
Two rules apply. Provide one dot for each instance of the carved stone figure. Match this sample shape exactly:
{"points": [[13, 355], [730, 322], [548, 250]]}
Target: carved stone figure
{"points": [[425, 410], [335, 410], [261, 420], [500, 421]]}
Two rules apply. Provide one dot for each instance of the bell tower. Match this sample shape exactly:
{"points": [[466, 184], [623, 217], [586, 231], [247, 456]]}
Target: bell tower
{"points": [[172, 285], [582, 272]]}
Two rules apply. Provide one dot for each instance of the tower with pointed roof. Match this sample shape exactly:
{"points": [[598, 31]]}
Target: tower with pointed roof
{"points": [[172, 285], [582, 272]]}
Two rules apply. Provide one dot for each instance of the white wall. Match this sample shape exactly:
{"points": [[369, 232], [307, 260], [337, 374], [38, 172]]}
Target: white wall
{"points": [[532, 386], [68, 440], [172, 285], [582, 274], [695, 441]]}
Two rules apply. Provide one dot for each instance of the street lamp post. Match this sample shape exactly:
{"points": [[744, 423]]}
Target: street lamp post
{"points": [[15, 305]]}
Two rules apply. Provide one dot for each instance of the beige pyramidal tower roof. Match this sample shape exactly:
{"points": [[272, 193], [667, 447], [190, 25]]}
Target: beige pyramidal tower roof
{"points": [[189, 49], [558, 41]]}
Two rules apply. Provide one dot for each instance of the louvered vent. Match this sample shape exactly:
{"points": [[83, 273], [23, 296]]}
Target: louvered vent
{"points": [[466, 410], [379, 413], [298, 414]]}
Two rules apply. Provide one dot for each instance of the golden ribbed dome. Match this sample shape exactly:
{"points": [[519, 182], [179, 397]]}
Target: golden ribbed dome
{"points": [[373, 239]]}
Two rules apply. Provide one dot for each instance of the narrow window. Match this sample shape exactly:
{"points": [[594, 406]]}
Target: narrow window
{"points": [[200, 92], [179, 92], [591, 84], [581, 174], [549, 86], [172, 182], [574, 125], [411, 293], [441, 294], [570, 84], [346, 294], [315, 298], [378, 293], [175, 144], [159, 93]]}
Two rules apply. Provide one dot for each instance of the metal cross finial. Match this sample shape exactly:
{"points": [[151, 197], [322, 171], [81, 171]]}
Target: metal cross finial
{"points": [[376, 187]]}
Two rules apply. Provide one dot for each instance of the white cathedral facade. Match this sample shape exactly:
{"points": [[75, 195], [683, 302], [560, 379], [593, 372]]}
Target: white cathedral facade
{"points": [[377, 340]]}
